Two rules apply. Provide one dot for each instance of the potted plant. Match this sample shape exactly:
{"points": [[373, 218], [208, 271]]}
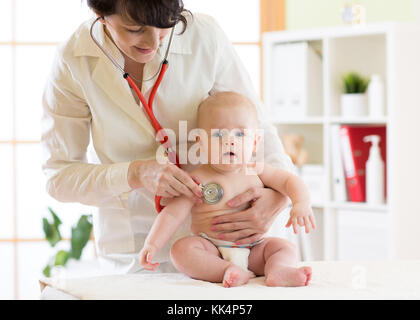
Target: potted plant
{"points": [[80, 235], [354, 99]]}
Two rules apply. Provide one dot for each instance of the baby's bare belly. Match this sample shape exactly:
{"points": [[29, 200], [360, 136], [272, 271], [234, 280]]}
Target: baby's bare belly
{"points": [[201, 221]]}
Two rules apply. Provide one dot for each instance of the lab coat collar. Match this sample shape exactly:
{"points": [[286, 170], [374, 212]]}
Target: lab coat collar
{"points": [[109, 78]]}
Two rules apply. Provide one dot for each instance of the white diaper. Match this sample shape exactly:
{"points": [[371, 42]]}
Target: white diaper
{"points": [[237, 254]]}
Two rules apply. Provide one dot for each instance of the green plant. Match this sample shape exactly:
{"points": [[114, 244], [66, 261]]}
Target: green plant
{"points": [[353, 82], [80, 235]]}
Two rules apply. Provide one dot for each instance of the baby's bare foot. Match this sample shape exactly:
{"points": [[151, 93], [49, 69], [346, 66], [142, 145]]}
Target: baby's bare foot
{"points": [[289, 277], [235, 276]]}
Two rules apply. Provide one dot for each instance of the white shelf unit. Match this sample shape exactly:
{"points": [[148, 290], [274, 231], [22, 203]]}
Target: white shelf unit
{"points": [[391, 50]]}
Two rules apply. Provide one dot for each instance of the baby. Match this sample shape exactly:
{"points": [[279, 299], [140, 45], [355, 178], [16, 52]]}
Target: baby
{"points": [[202, 257]]}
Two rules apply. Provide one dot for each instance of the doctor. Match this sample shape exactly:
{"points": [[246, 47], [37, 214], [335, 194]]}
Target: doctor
{"points": [[87, 100]]}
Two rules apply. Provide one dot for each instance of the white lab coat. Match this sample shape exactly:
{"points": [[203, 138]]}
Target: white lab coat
{"points": [[86, 100]]}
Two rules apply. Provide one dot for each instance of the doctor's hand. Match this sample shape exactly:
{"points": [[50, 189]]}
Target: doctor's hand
{"points": [[250, 224], [165, 180], [146, 257]]}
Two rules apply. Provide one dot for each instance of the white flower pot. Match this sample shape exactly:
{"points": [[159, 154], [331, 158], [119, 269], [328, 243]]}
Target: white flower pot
{"points": [[354, 105]]}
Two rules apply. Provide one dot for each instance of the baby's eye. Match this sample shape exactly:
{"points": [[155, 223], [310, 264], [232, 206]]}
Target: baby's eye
{"points": [[217, 134], [240, 134]]}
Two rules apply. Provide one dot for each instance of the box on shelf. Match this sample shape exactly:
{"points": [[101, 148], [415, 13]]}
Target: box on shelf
{"points": [[338, 180], [313, 175], [362, 235], [297, 75]]}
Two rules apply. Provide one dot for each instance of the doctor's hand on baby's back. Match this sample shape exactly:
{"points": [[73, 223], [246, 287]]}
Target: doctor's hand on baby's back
{"points": [[251, 224], [165, 180]]}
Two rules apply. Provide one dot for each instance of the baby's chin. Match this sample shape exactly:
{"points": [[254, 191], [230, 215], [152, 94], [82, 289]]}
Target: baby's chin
{"points": [[228, 167]]}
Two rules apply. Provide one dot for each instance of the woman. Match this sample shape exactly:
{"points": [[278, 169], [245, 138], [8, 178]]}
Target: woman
{"points": [[86, 99]]}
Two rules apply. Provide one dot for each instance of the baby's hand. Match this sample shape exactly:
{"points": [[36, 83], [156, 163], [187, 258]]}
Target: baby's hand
{"points": [[302, 215], [146, 256]]}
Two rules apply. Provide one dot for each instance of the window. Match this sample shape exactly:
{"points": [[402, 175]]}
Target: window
{"points": [[29, 34], [243, 29]]}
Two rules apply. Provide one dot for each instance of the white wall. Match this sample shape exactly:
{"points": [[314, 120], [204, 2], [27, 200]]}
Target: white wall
{"points": [[416, 10]]}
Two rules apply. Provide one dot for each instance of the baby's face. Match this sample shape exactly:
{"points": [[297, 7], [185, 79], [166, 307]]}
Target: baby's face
{"points": [[230, 136]]}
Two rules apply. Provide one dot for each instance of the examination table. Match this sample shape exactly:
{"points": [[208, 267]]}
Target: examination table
{"points": [[330, 280]]}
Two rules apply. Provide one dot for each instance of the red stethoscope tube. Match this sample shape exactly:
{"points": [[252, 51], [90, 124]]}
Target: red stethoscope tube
{"points": [[148, 106]]}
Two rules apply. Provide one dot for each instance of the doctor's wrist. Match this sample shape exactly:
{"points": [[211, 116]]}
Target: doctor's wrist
{"points": [[133, 175]]}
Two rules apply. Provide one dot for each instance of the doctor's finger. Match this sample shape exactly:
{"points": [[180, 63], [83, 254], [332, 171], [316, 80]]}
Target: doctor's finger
{"points": [[173, 191], [163, 193], [239, 216], [236, 235], [229, 226], [181, 188], [250, 195], [186, 179]]}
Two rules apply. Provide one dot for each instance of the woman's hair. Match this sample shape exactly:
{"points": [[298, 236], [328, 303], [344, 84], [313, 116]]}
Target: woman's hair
{"points": [[156, 13]]}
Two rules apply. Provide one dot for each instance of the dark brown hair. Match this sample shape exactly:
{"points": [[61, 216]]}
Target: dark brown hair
{"points": [[156, 13]]}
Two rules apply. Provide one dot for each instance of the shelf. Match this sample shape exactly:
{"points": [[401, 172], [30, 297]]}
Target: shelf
{"points": [[335, 120], [355, 206], [367, 120], [359, 206], [318, 205], [307, 120], [389, 51]]}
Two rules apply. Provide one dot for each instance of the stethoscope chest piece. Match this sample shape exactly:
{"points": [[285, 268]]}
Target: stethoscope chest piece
{"points": [[212, 192]]}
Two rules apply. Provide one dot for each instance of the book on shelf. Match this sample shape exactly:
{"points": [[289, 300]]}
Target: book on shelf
{"points": [[355, 153], [297, 73], [338, 179]]}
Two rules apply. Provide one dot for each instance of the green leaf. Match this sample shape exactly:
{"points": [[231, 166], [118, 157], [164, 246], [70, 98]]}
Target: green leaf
{"points": [[52, 234], [48, 230], [47, 271], [61, 258], [56, 219], [80, 236], [354, 83]]}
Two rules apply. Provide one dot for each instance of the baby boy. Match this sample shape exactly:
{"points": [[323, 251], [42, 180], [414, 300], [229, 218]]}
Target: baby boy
{"points": [[202, 257]]}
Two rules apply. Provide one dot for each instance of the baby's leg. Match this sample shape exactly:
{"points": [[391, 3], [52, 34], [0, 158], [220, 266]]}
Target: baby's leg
{"points": [[200, 259], [277, 259]]}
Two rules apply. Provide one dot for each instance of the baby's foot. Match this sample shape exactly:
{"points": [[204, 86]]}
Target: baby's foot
{"points": [[235, 276], [289, 277]]}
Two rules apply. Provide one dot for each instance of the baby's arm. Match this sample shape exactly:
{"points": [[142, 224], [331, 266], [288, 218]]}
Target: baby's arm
{"points": [[165, 225], [293, 187]]}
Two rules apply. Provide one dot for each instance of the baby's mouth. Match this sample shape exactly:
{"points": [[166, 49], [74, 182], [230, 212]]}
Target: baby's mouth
{"points": [[230, 153]]}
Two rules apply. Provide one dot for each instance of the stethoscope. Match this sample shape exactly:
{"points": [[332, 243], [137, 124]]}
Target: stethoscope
{"points": [[212, 192]]}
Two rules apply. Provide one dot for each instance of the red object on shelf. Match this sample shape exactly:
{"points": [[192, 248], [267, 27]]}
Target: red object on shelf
{"points": [[355, 153]]}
